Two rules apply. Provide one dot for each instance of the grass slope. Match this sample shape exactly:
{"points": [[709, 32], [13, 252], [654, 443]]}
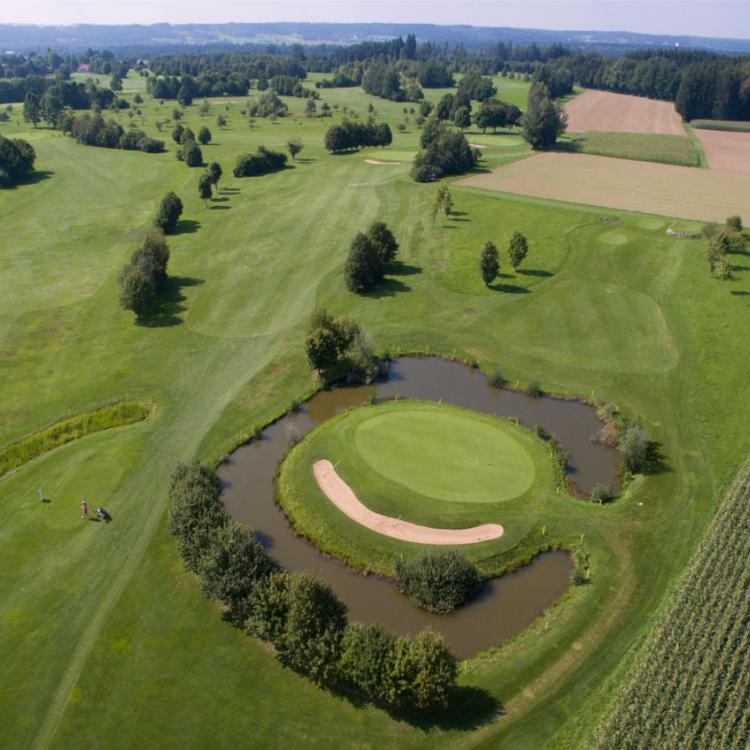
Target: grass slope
{"points": [[104, 640]]}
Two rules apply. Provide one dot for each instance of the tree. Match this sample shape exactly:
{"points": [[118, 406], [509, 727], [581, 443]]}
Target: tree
{"points": [[311, 108], [177, 132], [231, 568], [170, 210], [543, 122], [204, 136], [195, 511], [633, 447], [489, 263], [184, 96], [462, 118], [192, 154], [294, 145], [438, 581], [137, 291], [329, 341], [221, 120], [31, 108], [518, 247], [383, 135], [434, 670], [384, 242], [214, 169], [268, 607], [311, 641], [16, 160], [734, 223], [366, 651], [364, 265], [443, 201], [115, 83], [51, 105], [204, 187]]}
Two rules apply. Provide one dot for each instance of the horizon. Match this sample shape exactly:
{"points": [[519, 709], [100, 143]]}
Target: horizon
{"points": [[700, 18]]}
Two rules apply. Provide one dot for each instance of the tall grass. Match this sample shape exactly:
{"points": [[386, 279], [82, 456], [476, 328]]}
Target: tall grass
{"points": [[659, 147], [66, 430]]}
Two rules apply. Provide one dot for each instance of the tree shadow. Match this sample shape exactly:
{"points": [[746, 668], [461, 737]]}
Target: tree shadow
{"points": [[740, 293], [740, 268], [219, 208], [655, 461], [388, 287], [399, 268], [534, 272], [32, 178], [574, 146], [229, 190], [165, 312], [187, 226], [469, 708], [458, 213], [306, 159], [221, 199], [509, 288]]}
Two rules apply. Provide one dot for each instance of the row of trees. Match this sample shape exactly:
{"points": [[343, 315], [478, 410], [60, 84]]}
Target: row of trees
{"points": [[489, 260], [721, 242], [369, 256], [97, 131], [145, 275], [351, 136], [298, 613], [263, 161], [16, 160]]}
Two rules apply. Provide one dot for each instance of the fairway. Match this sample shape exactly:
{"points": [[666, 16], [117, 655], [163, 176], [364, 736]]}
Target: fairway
{"points": [[441, 453], [681, 192]]}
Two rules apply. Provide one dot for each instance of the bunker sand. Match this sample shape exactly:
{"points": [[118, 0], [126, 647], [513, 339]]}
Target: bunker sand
{"points": [[384, 163], [621, 113], [645, 187], [342, 496]]}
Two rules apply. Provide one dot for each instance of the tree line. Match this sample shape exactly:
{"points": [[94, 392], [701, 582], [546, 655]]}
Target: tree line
{"points": [[263, 161], [95, 130], [349, 135], [298, 613]]}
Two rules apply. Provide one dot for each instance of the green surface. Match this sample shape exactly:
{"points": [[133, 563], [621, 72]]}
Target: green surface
{"points": [[668, 149], [104, 640], [431, 464], [738, 126], [445, 455]]}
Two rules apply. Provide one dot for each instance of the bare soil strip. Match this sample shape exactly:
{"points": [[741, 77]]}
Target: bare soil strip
{"points": [[725, 150], [621, 113], [386, 163], [646, 187], [343, 497]]}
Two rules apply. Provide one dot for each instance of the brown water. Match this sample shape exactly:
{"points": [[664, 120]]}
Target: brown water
{"points": [[506, 605]]}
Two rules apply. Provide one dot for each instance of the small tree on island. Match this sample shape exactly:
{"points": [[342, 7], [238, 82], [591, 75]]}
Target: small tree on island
{"points": [[518, 247], [295, 145], [204, 187], [489, 263]]}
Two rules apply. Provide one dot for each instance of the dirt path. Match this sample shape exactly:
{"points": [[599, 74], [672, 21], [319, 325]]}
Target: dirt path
{"points": [[726, 150], [342, 496], [621, 113]]}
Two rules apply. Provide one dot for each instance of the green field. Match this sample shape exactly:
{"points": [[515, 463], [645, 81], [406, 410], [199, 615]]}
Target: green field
{"points": [[104, 640], [432, 464], [668, 149], [737, 126]]}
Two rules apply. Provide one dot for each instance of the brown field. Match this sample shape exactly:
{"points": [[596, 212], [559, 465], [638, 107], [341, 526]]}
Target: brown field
{"points": [[646, 187], [725, 150], [620, 113]]}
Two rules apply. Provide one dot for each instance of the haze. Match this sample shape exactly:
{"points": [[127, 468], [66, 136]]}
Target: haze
{"points": [[720, 18]]}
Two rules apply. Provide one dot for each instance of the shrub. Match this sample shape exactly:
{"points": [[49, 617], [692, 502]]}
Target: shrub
{"points": [[204, 136], [268, 607], [195, 511], [578, 577], [331, 344], [534, 389], [438, 581], [601, 493], [633, 447], [366, 653], [261, 162], [496, 379], [734, 223], [16, 160]]}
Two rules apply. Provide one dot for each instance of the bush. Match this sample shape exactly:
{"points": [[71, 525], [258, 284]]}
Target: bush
{"points": [[496, 379], [578, 577], [534, 389], [633, 447], [734, 223], [268, 607], [204, 136], [366, 654], [170, 210], [601, 493], [438, 581], [331, 343], [261, 162], [16, 160], [195, 511], [232, 566], [192, 154]]}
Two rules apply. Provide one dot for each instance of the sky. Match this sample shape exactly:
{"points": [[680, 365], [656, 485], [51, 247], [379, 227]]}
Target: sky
{"points": [[719, 18]]}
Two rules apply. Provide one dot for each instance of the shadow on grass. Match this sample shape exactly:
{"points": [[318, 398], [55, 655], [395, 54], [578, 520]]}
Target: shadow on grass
{"points": [[38, 175], [399, 268], [655, 461], [220, 199], [166, 310], [534, 272], [187, 226], [306, 160], [740, 293], [509, 288], [219, 208], [229, 190], [388, 287]]}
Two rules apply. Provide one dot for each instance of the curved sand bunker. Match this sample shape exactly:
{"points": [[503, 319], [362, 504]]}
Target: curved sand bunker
{"points": [[342, 496]]}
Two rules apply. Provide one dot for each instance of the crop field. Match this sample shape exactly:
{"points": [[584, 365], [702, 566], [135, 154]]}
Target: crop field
{"points": [[737, 126], [681, 192], [667, 149], [726, 151], [105, 640], [621, 113]]}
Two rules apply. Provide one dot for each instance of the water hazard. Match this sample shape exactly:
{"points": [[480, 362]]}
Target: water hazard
{"points": [[506, 605]]}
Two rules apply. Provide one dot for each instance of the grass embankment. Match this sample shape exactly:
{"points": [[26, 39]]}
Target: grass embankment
{"points": [[66, 430], [688, 686], [428, 463], [736, 126], [102, 628], [667, 149]]}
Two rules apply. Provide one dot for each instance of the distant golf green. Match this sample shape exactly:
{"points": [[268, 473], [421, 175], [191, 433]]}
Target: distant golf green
{"points": [[444, 453]]}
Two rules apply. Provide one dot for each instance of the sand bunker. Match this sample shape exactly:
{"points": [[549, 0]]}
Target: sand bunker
{"points": [[386, 163], [477, 145], [342, 496]]}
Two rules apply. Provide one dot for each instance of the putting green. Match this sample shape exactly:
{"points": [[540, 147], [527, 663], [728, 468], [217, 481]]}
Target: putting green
{"points": [[445, 453]]}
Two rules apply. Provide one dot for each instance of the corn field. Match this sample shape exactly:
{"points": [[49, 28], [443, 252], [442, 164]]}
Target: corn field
{"points": [[690, 687]]}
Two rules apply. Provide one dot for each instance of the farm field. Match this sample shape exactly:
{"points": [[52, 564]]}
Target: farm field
{"points": [[667, 149], [681, 192], [738, 126], [621, 113], [104, 638], [726, 151]]}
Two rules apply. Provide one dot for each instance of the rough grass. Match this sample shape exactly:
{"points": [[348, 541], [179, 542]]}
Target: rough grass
{"points": [[104, 641], [66, 430], [659, 147], [737, 126]]}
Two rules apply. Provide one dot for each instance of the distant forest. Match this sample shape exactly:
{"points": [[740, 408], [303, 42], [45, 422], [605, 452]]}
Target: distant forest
{"points": [[702, 84]]}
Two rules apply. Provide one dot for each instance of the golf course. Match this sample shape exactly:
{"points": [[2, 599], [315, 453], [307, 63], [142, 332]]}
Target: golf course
{"points": [[106, 640]]}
